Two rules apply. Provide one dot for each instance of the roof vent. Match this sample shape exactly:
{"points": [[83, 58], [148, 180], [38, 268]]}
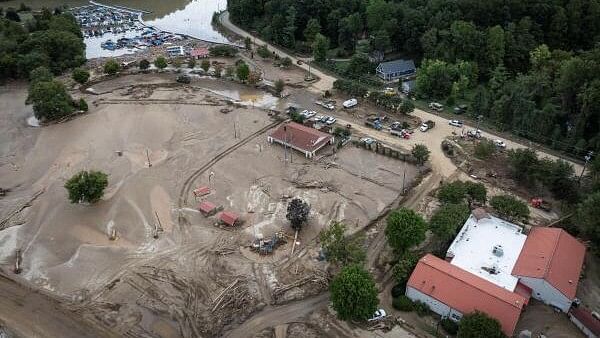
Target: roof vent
{"points": [[498, 251], [493, 270]]}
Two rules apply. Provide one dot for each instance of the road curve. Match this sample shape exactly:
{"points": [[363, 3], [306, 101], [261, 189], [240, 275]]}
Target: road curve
{"points": [[29, 313], [325, 82]]}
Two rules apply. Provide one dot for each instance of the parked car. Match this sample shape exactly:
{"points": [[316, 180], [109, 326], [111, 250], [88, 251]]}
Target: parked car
{"points": [[330, 120], [396, 125], [474, 133], [350, 103], [500, 144], [378, 315], [436, 106], [367, 140], [427, 125], [455, 123], [460, 109], [389, 91]]}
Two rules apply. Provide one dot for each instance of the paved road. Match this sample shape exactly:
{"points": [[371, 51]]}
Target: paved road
{"points": [[30, 314]]}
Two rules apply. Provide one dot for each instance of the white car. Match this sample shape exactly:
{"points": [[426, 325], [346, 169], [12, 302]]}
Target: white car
{"points": [[367, 140], [424, 127], [379, 315], [318, 118], [350, 103], [310, 114], [331, 120], [500, 143], [455, 123]]}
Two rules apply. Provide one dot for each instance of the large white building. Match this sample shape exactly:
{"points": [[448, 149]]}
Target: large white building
{"points": [[493, 267]]}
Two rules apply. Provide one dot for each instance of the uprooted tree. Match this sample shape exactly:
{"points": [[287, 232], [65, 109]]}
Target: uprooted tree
{"points": [[297, 213], [86, 186]]}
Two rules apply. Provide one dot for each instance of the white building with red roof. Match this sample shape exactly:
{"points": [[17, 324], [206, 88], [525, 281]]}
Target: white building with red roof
{"points": [[492, 267], [301, 138], [550, 264]]}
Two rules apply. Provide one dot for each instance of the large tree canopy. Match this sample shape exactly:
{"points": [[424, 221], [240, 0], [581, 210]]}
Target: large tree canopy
{"points": [[354, 294]]}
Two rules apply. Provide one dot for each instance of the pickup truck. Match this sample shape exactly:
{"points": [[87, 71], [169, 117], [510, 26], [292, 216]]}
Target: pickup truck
{"points": [[427, 125], [326, 104]]}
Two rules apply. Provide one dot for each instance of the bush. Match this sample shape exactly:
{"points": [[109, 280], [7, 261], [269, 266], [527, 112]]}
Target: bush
{"points": [[421, 153], [160, 62], [184, 79], [86, 186], [485, 149], [81, 75], [477, 325], [398, 290], [111, 67], [510, 207], [144, 64], [450, 326], [403, 303], [405, 266], [83, 106], [191, 63], [286, 62], [263, 52], [223, 50], [421, 308], [341, 132]]}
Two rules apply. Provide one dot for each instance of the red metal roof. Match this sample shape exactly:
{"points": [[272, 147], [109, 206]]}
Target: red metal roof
{"points": [[466, 292], [554, 255], [206, 207], [201, 191], [585, 317], [201, 51], [229, 217], [302, 137]]}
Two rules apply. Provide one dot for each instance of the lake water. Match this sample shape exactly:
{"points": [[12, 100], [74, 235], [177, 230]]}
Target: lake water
{"points": [[190, 17]]}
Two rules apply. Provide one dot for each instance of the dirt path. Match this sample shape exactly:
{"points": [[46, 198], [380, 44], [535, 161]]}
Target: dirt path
{"points": [[273, 316], [31, 314]]}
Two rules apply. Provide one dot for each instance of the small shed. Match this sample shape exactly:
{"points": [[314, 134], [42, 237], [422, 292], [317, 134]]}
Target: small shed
{"points": [[207, 208], [229, 218], [201, 191]]}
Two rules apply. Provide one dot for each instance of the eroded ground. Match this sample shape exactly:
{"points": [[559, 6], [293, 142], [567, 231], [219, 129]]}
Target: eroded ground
{"points": [[197, 278]]}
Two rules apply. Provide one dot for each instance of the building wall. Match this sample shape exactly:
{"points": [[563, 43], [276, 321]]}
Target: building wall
{"points": [[543, 291], [434, 304], [582, 327]]}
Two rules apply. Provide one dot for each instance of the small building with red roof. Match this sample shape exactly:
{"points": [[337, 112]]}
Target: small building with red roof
{"points": [[201, 191], [452, 292], [207, 208], [200, 53], [586, 321], [550, 264], [229, 218], [301, 138]]}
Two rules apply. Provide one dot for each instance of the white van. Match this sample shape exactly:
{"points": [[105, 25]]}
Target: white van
{"points": [[350, 103]]}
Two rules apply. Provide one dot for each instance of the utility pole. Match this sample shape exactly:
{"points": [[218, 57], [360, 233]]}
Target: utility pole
{"points": [[148, 157], [587, 158], [403, 178]]}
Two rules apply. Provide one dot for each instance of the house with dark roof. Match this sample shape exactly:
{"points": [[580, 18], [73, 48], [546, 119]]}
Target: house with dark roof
{"points": [[397, 69], [302, 138], [550, 264]]}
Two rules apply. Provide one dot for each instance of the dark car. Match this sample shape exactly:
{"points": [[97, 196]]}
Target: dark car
{"points": [[460, 109]]}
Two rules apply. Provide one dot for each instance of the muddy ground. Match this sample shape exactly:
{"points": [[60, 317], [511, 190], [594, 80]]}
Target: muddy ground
{"points": [[197, 278]]}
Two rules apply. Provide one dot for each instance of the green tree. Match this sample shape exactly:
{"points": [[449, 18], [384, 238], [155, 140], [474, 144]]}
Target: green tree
{"points": [[160, 62], [144, 64], [381, 40], [404, 267], [588, 218], [82, 105], [510, 207], [86, 186], [111, 67], [248, 43], [205, 65], [406, 107], [40, 74], [354, 294], [477, 325], [341, 249], [263, 52], [313, 27], [191, 63], [495, 46], [475, 192], [297, 213], [405, 229], [50, 100], [358, 66], [242, 71], [279, 85], [452, 193], [420, 153], [446, 221], [286, 62], [523, 163], [81, 75], [320, 47]]}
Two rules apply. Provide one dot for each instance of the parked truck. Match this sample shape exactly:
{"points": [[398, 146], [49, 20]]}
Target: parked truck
{"points": [[374, 122]]}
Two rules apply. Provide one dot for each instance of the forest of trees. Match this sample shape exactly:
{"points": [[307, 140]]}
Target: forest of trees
{"points": [[531, 67], [51, 40]]}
